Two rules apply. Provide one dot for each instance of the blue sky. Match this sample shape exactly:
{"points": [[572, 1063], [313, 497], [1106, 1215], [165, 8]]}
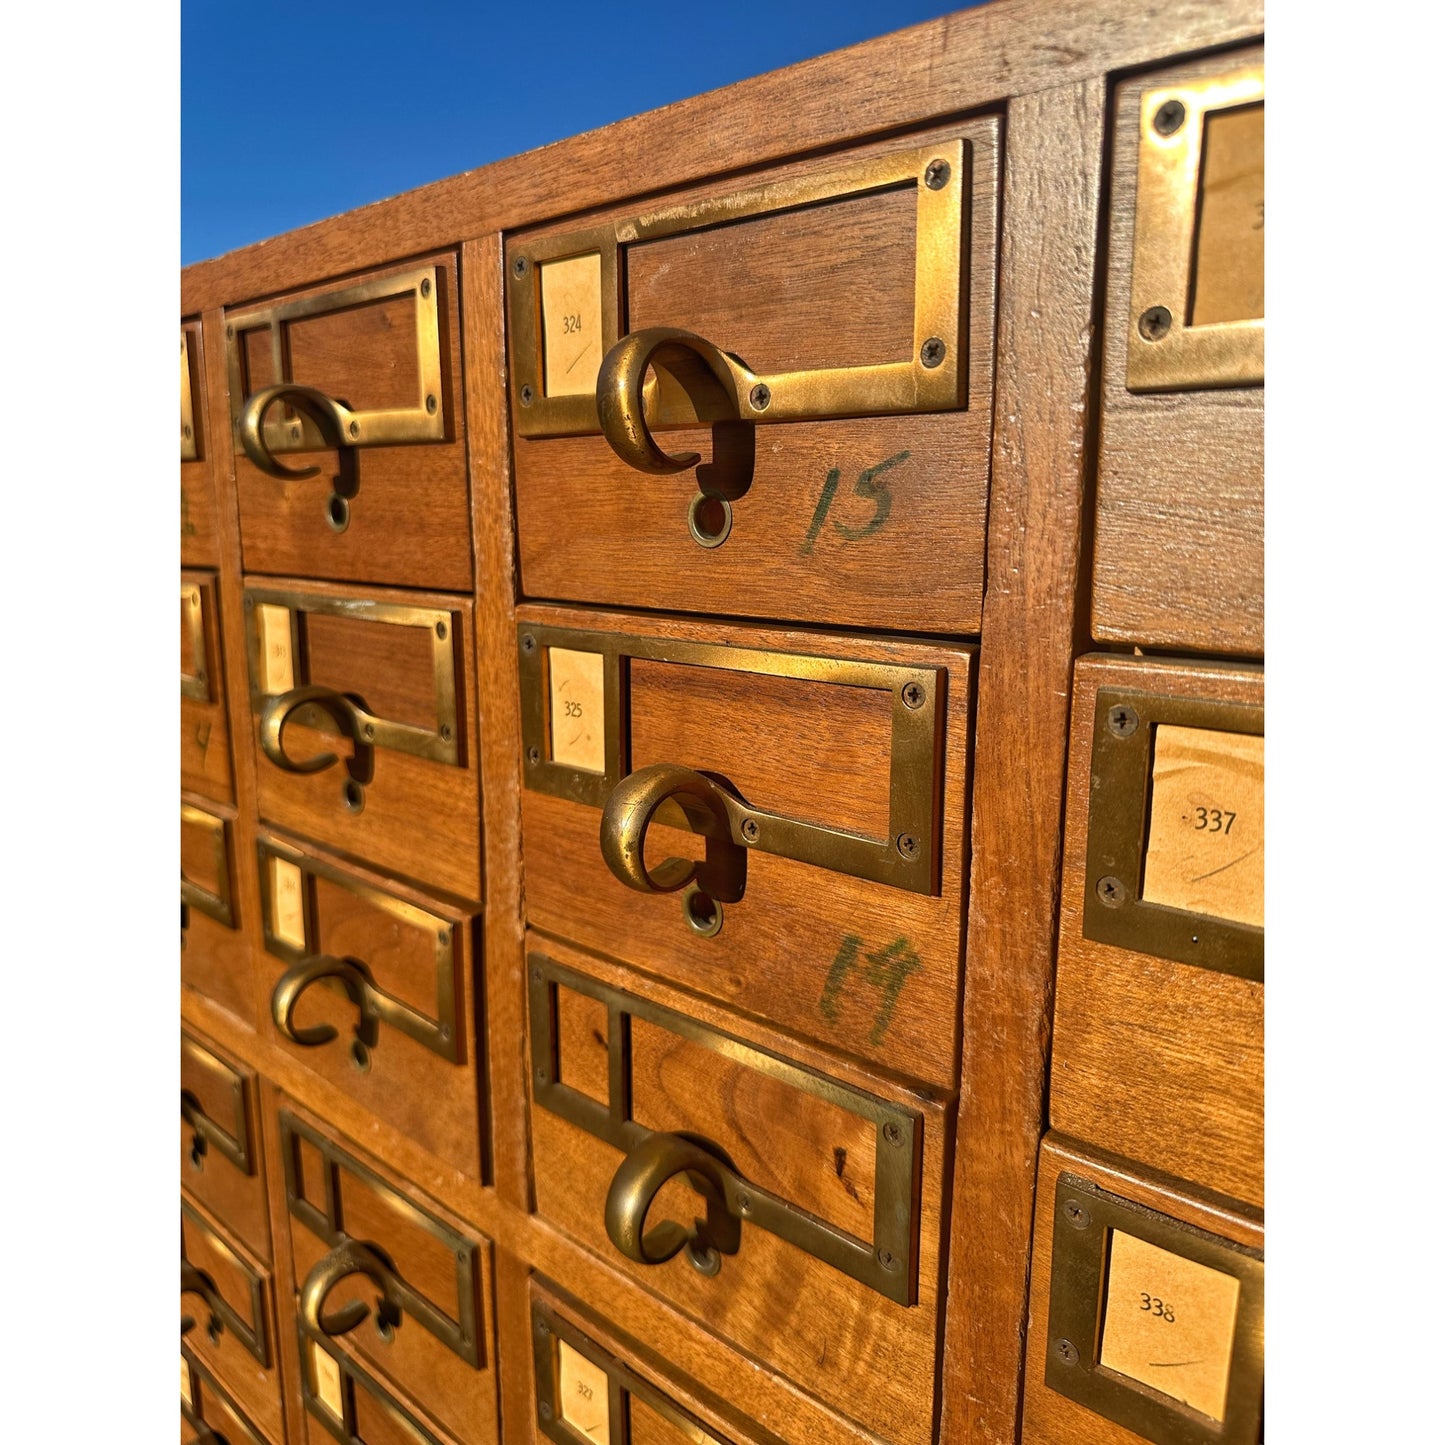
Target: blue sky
{"points": [[291, 113]]}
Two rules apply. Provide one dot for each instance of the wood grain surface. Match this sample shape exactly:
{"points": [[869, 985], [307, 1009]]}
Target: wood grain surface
{"points": [[1154, 1060]]}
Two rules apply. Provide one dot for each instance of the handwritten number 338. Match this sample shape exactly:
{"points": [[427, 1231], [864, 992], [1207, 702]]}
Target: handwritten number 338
{"points": [[1154, 1306]]}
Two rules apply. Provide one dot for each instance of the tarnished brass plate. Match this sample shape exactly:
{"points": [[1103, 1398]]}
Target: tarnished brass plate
{"points": [[1117, 909], [1146, 1313], [587, 1392], [380, 427], [907, 384], [1199, 236], [195, 683], [188, 418], [329, 1381], [233, 1139], [250, 1332], [899, 1141], [214, 905], [439, 1031], [914, 764]]}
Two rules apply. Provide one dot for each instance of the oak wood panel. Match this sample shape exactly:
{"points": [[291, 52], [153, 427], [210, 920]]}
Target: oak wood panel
{"points": [[1154, 1060], [421, 819], [582, 1061], [409, 518], [205, 737], [1179, 541], [379, 1422], [1050, 1418], [200, 540], [237, 1199], [217, 1411], [941, 67], [775, 955], [859, 1353], [1046, 333], [215, 957], [918, 563], [396, 661], [430, 1099]]}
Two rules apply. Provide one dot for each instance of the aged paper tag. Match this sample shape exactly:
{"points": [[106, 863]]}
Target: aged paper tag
{"points": [[1206, 824], [572, 325], [273, 630], [583, 1388], [288, 902], [186, 1382], [578, 736], [1169, 1323], [1229, 271], [328, 1381]]}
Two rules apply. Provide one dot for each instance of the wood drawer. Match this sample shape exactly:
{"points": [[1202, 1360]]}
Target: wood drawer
{"points": [[228, 1292], [389, 501], [220, 1146], [1179, 539], [1146, 1309], [200, 546], [831, 774], [1158, 1050], [365, 726], [345, 1402], [214, 957], [208, 1412], [433, 1272], [822, 1188], [205, 738], [849, 300], [405, 1047]]}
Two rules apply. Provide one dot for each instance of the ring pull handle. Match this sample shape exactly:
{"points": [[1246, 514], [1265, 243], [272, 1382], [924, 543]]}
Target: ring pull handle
{"points": [[643, 1172], [338, 427], [345, 714], [354, 1257], [355, 978], [198, 1282], [203, 1129], [630, 809]]}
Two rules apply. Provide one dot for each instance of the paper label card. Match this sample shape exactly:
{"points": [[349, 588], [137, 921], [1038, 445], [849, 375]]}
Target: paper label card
{"points": [[328, 1381], [583, 1388], [578, 734], [186, 1383], [1229, 265], [288, 903], [1169, 1323], [572, 325], [273, 631]]}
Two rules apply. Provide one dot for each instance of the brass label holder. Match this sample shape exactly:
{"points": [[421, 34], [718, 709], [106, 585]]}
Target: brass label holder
{"points": [[1084, 1216], [351, 1375], [195, 684], [1165, 353], [194, 1416], [888, 1264], [908, 858], [193, 895], [188, 419], [933, 378], [346, 712], [437, 1032], [1115, 912], [462, 1336], [251, 1333], [623, 1384], [234, 1142], [385, 426]]}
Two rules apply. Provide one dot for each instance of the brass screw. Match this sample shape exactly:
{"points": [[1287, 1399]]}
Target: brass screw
{"points": [[354, 429], [1169, 117], [186, 432], [1066, 1351], [1111, 892], [761, 397], [908, 846], [230, 333], [534, 756], [541, 1076], [745, 1204], [1123, 721], [536, 975], [519, 267], [369, 730], [544, 1410], [913, 695], [542, 1328], [1154, 324], [887, 1259], [526, 395], [431, 404], [893, 1134], [446, 733], [1076, 1214], [932, 352], [529, 642], [441, 629], [426, 286], [750, 829], [937, 174]]}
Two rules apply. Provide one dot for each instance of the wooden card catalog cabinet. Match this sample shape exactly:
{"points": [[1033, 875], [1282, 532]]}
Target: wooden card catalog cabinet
{"points": [[771, 399], [1179, 549], [205, 738]]}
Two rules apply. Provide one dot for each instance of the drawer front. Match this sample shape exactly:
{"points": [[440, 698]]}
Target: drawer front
{"points": [[226, 1295], [350, 430], [345, 1402], [214, 959], [815, 1200], [778, 394], [365, 728], [1146, 1317], [371, 986], [390, 1281], [200, 546], [1158, 1050], [208, 1412], [1179, 542], [205, 739], [809, 796], [220, 1148]]}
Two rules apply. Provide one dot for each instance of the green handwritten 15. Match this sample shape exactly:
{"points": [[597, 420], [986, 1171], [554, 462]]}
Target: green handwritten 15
{"points": [[887, 970], [870, 485]]}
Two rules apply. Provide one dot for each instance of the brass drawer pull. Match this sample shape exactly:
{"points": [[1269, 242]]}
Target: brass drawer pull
{"points": [[198, 1282], [658, 1158], [347, 716], [710, 811], [353, 1257], [337, 424], [355, 979]]}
